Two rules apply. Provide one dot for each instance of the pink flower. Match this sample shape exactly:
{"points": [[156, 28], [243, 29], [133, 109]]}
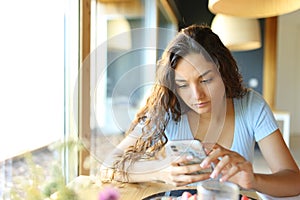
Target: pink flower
{"points": [[109, 193]]}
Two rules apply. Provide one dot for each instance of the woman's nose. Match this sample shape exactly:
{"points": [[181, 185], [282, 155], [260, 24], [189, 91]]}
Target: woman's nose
{"points": [[198, 91]]}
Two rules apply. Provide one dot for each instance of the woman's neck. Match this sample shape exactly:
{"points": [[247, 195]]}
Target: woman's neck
{"points": [[209, 126]]}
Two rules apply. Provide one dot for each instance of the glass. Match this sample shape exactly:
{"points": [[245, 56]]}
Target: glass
{"points": [[216, 190], [122, 75], [37, 81]]}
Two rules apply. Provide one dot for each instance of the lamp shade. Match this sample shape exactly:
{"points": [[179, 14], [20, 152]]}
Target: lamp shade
{"points": [[253, 8], [119, 34], [237, 34]]}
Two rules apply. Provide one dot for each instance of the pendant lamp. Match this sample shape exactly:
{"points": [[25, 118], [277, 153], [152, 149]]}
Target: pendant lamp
{"points": [[237, 34], [253, 8]]}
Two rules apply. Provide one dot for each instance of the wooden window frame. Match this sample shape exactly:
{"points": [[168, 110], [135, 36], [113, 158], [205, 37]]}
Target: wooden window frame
{"points": [[84, 82]]}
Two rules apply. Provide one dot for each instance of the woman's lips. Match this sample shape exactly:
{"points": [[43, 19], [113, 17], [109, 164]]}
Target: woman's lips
{"points": [[201, 105]]}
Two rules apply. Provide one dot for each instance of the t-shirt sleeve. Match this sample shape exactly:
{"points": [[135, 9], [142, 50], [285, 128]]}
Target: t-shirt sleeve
{"points": [[261, 116]]}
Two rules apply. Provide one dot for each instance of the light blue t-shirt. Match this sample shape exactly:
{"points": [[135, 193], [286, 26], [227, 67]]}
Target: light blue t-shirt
{"points": [[254, 120]]}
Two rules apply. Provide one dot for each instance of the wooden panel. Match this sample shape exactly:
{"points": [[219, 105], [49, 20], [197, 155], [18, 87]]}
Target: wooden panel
{"points": [[269, 68], [114, 1], [126, 8], [84, 82], [165, 4]]}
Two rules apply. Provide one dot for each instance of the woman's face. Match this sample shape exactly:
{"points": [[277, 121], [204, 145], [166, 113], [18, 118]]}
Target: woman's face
{"points": [[199, 84]]}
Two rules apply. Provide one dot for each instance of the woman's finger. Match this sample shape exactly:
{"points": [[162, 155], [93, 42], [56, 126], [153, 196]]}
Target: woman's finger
{"points": [[185, 179], [213, 156], [225, 161], [229, 173], [182, 160], [186, 169]]}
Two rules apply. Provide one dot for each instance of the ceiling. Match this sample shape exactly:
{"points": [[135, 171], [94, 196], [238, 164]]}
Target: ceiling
{"points": [[191, 12]]}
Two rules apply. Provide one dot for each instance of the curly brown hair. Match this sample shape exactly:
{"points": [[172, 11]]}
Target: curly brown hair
{"points": [[164, 104]]}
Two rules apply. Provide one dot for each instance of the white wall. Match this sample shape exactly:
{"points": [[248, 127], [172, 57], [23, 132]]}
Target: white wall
{"points": [[288, 66]]}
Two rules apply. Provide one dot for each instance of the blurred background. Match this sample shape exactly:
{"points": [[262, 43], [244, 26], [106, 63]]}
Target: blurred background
{"points": [[80, 69]]}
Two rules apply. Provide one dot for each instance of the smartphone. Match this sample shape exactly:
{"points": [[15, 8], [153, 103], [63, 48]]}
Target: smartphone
{"points": [[179, 148]]}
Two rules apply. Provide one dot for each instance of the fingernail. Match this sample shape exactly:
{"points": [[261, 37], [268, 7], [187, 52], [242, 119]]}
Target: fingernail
{"points": [[203, 164], [213, 174], [185, 196], [190, 157]]}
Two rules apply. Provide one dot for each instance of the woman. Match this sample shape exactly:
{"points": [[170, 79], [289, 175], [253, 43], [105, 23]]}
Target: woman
{"points": [[199, 95]]}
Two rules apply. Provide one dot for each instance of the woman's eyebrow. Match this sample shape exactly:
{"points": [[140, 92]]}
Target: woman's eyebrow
{"points": [[201, 76], [205, 73], [180, 80]]}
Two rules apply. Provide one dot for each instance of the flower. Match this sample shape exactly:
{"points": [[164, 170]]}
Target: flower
{"points": [[109, 193]]}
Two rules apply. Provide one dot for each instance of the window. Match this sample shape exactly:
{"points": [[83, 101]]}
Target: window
{"points": [[37, 77], [125, 47]]}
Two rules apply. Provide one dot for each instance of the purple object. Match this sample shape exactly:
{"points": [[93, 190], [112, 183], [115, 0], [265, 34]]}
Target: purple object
{"points": [[109, 193]]}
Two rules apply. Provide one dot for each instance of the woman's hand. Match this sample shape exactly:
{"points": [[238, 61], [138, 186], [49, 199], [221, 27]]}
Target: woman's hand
{"points": [[181, 172], [231, 166]]}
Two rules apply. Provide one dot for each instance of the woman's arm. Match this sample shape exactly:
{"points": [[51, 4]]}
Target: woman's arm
{"points": [[285, 177], [168, 170], [106, 170], [140, 171], [283, 181]]}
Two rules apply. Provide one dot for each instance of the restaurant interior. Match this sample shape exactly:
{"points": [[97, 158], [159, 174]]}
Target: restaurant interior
{"points": [[75, 72]]}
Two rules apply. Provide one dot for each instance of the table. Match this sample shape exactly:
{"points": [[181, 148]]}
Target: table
{"points": [[88, 188]]}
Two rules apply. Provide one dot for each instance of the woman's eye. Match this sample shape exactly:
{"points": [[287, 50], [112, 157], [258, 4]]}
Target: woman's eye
{"points": [[182, 86], [206, 80]]}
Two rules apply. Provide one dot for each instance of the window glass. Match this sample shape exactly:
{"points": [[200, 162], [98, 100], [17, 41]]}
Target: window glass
{"points": [[32, 85], [124, 59]]}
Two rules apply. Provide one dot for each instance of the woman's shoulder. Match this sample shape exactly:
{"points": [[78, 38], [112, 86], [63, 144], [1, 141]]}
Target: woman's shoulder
{"points": [[250, 93], [254, 112], [252, 103], [251, 97]]}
